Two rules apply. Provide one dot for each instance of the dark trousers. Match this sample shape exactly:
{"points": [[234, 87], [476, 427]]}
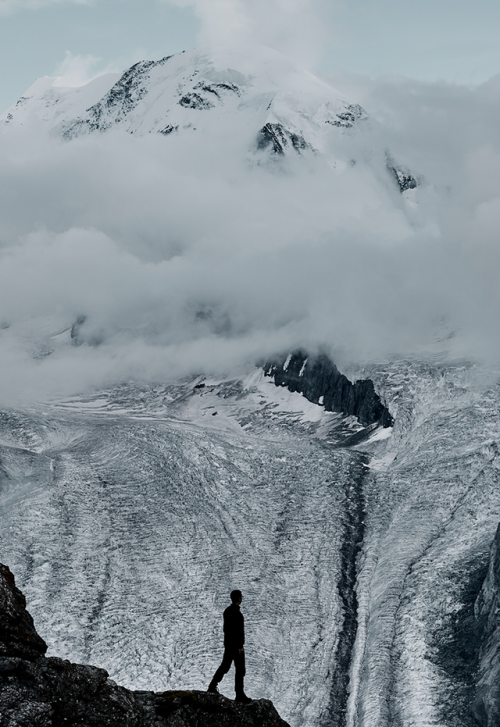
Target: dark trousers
{"points": [[231, 655]]}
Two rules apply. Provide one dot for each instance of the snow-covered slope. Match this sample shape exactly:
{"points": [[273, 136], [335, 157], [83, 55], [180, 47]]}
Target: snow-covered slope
{"points": [[130, 515], [273, 105], [280, 104], [47, 102]]}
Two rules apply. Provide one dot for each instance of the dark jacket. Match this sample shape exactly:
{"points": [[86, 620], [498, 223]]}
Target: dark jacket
{"points": [[234, 627]]}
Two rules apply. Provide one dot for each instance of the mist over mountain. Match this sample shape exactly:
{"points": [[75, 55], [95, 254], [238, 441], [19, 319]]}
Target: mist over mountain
{"points": [[248, 338], [218, 205]]}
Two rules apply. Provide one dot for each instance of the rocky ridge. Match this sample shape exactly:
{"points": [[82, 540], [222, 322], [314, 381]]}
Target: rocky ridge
{"points": [[320, 381], [39, 691]]}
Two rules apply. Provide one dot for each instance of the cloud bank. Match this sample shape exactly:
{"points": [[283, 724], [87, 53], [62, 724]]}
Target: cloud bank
{"points": [[294, 27], [78, 70], [124, 257]]}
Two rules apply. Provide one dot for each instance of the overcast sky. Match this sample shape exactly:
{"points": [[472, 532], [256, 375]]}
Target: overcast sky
{"points": [[455, 40]]}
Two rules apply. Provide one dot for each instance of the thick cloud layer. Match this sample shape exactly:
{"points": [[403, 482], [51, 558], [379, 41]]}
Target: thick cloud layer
{"points": [[168, 256], [295, 27]]}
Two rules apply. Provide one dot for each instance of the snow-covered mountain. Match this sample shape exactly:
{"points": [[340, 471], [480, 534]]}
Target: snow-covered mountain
{"points": [[171, 95], [276, 107]]}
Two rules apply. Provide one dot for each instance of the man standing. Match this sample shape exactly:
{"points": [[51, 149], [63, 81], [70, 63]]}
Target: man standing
{"points": [[234, 638]]}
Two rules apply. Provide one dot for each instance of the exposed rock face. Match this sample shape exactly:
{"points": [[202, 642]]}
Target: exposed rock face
{"points": [[403, 177], [50, 691], [277, 138], [319, 379], [207, 710], [487, 612], [18, 636], [36, 691], [118, 103], [349, 117]]}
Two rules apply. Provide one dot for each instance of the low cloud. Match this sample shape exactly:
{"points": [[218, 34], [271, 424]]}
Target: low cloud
{"points": [[77, 70], [294, 27], [150, 257]]}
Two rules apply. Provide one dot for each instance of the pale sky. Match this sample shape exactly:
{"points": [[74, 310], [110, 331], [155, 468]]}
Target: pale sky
{"points": [[453, 40]]}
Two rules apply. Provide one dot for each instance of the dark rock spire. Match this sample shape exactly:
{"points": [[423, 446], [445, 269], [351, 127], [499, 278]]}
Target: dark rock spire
{"points": [[317, 377]]}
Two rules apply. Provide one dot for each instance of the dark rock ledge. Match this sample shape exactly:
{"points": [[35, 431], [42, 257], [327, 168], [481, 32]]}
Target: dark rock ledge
{"points": [[486, 707], [40, 691], [320, 381]]}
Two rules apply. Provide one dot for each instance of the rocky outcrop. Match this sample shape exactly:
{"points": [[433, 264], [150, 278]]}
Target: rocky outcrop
{"points": [[403, 177], [39, 691], [276, 138], [352, 114], [320, 381], [486, 706], [117, 104], [18, 636], [211, 710]]}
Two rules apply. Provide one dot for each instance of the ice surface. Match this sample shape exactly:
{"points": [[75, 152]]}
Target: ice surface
{"points": [[128, 530], [129, 516]]}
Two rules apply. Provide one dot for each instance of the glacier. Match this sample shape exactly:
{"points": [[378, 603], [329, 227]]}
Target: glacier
{"points": [[129, 516]]}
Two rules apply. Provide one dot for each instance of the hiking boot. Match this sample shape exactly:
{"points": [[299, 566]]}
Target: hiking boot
{"points": [[242, 699], [212, 688]]}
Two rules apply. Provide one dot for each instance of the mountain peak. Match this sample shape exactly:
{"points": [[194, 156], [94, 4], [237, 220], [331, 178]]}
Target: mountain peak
{"points": [[279, 106]]}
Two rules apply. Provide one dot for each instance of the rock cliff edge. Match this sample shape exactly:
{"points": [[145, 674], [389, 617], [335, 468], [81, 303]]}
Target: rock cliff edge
{"points": [[40, 691], [486, 706]]}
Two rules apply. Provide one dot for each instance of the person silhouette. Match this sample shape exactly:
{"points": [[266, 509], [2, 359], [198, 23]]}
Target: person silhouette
{"points": [[234, 639]]}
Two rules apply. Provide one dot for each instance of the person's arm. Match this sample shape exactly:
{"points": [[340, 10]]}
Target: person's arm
{"points": [[242, 650]]}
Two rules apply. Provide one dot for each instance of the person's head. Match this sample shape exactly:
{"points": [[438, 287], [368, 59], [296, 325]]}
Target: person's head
{"points": [[236, 597]]}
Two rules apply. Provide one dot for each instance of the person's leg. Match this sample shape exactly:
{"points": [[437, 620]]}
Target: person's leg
{"points": [[223, 669], [239, 664]]}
